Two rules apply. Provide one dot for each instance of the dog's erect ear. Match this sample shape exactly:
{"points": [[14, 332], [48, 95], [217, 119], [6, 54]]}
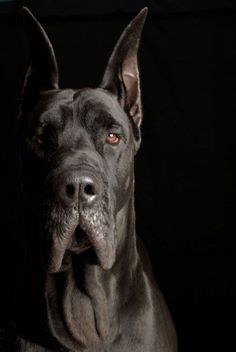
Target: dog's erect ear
{"points": [[121, 76], [42, 73]]}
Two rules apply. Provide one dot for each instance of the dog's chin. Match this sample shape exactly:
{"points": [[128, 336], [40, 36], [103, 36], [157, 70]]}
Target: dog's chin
{"points": [[92, 248], [80, 241], [89, 247], [79, 245], [79, 232]]}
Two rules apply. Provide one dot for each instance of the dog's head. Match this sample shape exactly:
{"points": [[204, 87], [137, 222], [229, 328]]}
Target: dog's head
{"points": [[77, 147]]}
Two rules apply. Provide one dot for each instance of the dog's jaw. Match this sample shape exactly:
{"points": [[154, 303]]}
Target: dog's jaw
{"points": [[77, 230]]}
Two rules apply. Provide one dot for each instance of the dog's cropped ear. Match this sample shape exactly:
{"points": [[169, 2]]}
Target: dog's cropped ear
{"points": [[42, 73], [121, 76]]}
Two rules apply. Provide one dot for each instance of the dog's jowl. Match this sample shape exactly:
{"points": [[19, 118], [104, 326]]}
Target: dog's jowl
{"points": [[88, 285]]}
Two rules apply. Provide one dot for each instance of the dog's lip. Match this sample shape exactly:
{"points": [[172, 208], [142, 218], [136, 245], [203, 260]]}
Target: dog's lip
{"points": [[80, 241]]}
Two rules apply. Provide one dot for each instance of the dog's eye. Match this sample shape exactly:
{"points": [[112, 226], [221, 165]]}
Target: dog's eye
{"points": [[113, 139], [39, 139]]}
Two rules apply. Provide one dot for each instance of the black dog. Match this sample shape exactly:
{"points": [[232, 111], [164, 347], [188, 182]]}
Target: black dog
{"points": [[89, 286]]}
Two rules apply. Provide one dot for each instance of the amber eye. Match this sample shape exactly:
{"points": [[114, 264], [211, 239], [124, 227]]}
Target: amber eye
{"points": [[39, 139], [113, 139]]}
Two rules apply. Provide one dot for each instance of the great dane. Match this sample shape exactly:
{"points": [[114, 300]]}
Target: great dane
{"points": [[89, 284]]}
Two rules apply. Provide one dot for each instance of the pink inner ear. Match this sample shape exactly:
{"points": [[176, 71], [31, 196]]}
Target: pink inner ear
{"points": [[130, 77]]}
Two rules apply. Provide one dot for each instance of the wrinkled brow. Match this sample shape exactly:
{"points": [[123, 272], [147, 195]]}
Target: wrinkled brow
{"points": [[100, 119]]}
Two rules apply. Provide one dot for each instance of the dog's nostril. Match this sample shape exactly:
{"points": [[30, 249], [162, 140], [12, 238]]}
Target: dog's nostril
{"points": [[70, 190], [89, 190]]}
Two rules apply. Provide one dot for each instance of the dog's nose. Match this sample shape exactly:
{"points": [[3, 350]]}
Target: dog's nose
{"points": [[79, 189]]}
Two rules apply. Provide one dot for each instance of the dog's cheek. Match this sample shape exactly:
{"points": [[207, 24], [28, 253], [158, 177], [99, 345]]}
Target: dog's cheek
{"points": [[124, 181], [125, 189]]}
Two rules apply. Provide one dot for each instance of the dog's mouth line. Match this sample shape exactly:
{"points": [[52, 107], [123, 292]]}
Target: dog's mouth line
{"points": [[85, 235], [80, 241]]}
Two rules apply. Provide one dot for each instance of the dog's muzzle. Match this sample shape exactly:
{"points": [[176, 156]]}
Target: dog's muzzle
{"points": [[78, 217]]}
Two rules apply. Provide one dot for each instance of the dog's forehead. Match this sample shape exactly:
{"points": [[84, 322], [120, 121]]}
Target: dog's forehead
{"points": [[55, 105], [98, 103], [86, 103]]}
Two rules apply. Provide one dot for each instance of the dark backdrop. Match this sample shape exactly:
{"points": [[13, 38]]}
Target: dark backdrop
{"points": [[185, 170]]}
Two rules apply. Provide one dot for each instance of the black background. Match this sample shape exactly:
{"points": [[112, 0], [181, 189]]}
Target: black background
{"points": [[186, 168]]}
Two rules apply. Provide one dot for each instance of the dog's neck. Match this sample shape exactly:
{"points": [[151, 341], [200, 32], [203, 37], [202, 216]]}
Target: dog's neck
{"points": [[86, 290]]}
